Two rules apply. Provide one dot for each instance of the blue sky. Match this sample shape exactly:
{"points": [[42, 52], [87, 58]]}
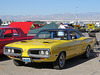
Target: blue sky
{"points": [[47, 7]]}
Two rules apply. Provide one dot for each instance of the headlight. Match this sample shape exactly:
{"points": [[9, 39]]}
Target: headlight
{"points": [[44, 52], [10, 50], [47, 52]]}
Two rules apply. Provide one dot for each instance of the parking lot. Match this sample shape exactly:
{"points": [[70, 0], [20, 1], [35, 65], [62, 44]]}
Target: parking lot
{"points": [[74, 66]]}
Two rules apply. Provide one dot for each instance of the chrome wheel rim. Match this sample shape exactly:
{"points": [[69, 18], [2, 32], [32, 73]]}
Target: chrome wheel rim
{"points": [[62, 60], [88, 52]]}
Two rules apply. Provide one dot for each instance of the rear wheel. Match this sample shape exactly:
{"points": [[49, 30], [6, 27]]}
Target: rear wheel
{"points": [[18, 63], [60, 62], [87, 52]]}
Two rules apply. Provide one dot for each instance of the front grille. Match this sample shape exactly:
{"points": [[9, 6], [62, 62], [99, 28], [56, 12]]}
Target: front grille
{"points": [[12, 51], [17, 51], [34, 52]]}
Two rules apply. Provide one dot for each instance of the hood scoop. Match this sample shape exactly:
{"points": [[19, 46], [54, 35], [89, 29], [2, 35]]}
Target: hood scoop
{"points": [[46, 42], [23, 41]]}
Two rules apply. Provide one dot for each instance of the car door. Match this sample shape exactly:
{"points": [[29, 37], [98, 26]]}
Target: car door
{"points": [[5, 38], [77, 39], [70, 46]]}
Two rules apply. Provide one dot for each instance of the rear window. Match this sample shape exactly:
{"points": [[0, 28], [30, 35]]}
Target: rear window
{"points": [[15, 33]]}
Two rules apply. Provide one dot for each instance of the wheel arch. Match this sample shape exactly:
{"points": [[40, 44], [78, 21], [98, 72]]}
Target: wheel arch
{"points": [[57, 64], [89, 46], [63, 52], [91, 50]]}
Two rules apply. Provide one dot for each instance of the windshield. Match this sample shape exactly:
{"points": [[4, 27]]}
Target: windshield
{"points": [[59, 35]]}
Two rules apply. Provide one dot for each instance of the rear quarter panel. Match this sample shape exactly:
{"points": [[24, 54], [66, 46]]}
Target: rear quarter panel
{"points": [[88, 41]]}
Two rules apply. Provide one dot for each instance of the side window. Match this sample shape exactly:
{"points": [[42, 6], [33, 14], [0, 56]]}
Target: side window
{"points": [[15, 33], [75, 35], [7, 33], [78, 35]]}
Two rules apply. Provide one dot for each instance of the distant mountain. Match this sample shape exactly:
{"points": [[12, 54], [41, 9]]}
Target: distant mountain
{"points": [[64, 16]]}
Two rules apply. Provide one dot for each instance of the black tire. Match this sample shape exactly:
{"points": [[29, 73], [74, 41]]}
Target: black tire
{"points": [[87, 53], [97, 42], [60, 62], [18, 63]]}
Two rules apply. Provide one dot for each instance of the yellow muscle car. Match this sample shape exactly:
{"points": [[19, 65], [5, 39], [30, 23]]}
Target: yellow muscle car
{"points": [[51, 45]]}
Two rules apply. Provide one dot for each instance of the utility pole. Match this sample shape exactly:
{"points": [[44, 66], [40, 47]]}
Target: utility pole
{"points": [[76, 15]]}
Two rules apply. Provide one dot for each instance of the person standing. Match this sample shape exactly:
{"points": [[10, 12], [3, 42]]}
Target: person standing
{"points": [[61, 26]]}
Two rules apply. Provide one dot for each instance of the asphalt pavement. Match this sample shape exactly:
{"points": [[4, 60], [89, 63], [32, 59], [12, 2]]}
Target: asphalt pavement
{"points": [[74, 66]]}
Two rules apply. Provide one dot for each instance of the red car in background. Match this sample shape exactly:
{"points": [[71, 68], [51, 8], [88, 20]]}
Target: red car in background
{"points": [[11, 34], [35, 26]]}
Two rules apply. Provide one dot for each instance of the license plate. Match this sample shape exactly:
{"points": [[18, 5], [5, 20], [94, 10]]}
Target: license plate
{"points": [[26, 59]]}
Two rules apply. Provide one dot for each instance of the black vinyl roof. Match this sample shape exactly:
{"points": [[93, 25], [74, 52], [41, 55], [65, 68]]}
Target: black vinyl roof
{"points": [[62, 30]]}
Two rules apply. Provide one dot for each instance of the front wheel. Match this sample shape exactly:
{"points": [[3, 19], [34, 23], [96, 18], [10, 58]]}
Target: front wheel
{"points": [[60, 62], [87, 52], [18, 63]]}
